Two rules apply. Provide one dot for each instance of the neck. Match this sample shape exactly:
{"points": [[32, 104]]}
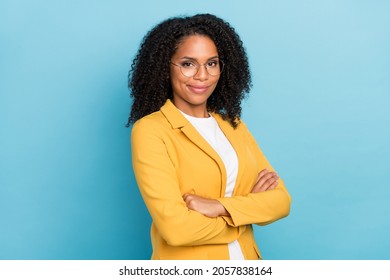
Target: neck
{"points": [[199, 111], [196, 114]]}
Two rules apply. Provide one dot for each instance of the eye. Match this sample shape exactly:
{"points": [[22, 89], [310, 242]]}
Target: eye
{"points": [[212, 64], [188, 64]]}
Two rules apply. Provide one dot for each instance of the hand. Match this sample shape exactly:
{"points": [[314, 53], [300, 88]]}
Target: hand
{"points": [[209, 207], [266, 180]]}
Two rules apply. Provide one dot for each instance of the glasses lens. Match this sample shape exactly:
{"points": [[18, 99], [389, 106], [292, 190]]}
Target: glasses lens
{"points": [[189, 72], [214, 68]]}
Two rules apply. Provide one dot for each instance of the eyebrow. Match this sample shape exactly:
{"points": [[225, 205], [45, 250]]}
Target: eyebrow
{"points": [[192, 58]]}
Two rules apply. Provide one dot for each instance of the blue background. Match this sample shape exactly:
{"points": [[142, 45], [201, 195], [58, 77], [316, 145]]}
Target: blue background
{"points": [[319, 109]]}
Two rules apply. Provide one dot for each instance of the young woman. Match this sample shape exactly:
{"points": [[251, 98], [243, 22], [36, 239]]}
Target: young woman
{"points": [[201, 174]]}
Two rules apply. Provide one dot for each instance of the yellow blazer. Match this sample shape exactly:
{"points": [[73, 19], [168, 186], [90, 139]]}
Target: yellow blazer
{"points": [[170, 158]]}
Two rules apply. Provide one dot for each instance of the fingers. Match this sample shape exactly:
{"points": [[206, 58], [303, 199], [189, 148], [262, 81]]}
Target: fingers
{"points": [[209, 207], [261, 174], [273, 185], [194, 201], [187, 197], [266, 180]]}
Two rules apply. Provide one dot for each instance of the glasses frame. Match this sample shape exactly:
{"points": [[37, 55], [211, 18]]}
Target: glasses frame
{"points": [[200, 65]]}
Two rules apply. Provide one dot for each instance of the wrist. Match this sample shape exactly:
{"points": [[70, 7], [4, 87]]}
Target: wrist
{"points": [[221, 209]]}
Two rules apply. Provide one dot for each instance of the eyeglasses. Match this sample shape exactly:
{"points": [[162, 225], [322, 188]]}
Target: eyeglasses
{"points": [[190, 68]]}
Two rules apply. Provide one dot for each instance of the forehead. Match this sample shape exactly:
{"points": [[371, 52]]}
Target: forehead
{"points": [[197, 47]]}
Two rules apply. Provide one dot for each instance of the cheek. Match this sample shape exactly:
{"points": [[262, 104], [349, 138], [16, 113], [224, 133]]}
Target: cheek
{"points": [[176, 76], [178, 82], [181, 80]]}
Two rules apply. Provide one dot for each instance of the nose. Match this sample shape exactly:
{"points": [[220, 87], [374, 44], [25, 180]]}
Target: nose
{"points": [[202, 73]]}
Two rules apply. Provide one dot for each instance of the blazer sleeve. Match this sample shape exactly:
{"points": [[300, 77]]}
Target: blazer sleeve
{"points": [[158, 183], [260, 208]]}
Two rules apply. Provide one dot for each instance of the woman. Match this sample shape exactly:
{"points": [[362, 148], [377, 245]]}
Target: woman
{"points": [[201, 174]]}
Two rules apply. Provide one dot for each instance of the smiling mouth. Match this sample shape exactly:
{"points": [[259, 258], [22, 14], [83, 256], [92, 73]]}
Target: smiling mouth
{"points": [[198, 89]]}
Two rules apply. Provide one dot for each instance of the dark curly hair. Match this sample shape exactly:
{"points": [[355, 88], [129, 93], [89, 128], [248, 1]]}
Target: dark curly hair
{"points": [[149, 79]]}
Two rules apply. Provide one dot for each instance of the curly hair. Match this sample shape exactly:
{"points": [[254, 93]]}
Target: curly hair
{"points": [[149, 78]]}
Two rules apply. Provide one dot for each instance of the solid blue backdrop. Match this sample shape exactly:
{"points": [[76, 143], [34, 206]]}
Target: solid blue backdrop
{"points": [[319, 109]]}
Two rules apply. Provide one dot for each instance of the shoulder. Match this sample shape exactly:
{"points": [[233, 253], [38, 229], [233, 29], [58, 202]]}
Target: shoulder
{"points": [[148, 132], [151, 124], [162, 122], [156, 119], [168, 117], [151, 120]]}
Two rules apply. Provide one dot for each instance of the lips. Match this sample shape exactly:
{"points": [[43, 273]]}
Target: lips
{"points": [[198, 89]]}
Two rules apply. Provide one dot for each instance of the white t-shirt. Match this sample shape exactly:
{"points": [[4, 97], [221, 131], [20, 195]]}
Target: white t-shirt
{"points": [[212, 133]]}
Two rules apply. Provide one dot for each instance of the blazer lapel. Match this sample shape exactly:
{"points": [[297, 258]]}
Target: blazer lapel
{"points": [[178, 121], [232, 135]]}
